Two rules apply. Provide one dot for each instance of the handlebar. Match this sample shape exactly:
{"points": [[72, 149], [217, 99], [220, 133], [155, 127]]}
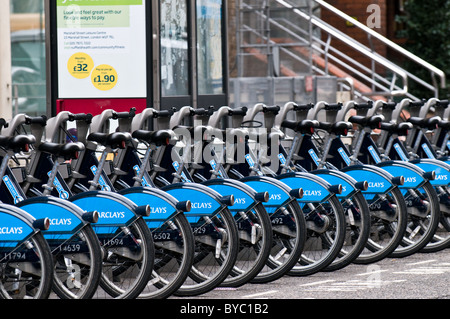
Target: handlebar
{"points": [[124, 115], [389, 105], [41, 120], [271, 109], [416, 103], [81, 117], [360, 106], [443, 103], [163, 113], [303, 107], [333, 106], [240, 111]]}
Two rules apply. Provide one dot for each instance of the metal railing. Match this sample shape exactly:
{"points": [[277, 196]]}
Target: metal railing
{"points": [[325, 58]]}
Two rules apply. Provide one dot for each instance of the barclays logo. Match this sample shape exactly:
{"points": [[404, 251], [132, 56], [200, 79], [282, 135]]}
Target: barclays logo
{"points": [[11, 230], [59, 222], [201, 205], [376, 184], [111, 215], [410, 179], [239, 201], [309, 192], [275, 197], [158, 210]]}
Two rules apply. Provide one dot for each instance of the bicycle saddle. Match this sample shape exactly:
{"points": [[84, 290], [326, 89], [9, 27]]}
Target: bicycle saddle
{"points": [[401, 129], [338, 128], [113, 140], [67, 151], [429, 123], [153, 137], [18, 143], [367, 121]]}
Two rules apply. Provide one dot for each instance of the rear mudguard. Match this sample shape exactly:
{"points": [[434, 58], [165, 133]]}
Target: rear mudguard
{"points": [[16, 225], [113, 209], [349, 185], [204, 200], [379, 180], [163, 206], [279, 193], [441, 169], [244, 195], [315, 188], [414, 176], [64, 216]]}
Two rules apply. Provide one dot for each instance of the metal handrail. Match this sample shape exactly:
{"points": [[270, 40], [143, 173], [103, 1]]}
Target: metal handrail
{"points": [[355, 45], [386, 41]]}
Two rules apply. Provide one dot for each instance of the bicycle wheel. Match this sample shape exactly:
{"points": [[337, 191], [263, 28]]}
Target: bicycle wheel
{"points": [[357, 216], [388, 225], [174, 253], [78, 264], [255, 241], [423, 220], [289, 237], [216, 250], [325, 223], [26, 270], [128, 259], [441, 238]]}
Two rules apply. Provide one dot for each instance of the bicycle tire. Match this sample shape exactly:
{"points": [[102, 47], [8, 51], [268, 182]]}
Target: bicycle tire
{"points": [[125, 277], [357, 217], [172, 264], [441, 238], [321, 248], [421, 227], [205, 258], [253, 254], [78, 265], [36, 285], [289, 237], [393, 228]]}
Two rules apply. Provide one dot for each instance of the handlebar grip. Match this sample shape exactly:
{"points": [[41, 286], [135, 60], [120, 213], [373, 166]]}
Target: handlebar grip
{"points": [[41, 120], [443, 103], [124, 115], [303, 107], [360, 106], [333, 106], [163, 113], [81, 117], [199, 111], [272, 109], [240, 111], [390, 105], [416, 103], [3, 123]]}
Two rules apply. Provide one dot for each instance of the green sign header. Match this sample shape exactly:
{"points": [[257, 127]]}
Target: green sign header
{"points": [[98, 2]]}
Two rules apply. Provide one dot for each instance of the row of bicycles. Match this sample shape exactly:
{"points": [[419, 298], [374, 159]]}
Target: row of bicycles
{"points": [[147, 205]]}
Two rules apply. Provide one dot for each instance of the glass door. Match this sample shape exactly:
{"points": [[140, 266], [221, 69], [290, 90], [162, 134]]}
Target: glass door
{"points": [[211, 57], [174, 53]]}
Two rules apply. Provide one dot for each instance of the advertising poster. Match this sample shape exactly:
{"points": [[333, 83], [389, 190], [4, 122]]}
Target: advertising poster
{"points": [[101, 49]]}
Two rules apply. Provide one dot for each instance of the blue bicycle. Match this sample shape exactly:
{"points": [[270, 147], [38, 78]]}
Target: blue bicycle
{"points": [[123, 242], [26, 261]]}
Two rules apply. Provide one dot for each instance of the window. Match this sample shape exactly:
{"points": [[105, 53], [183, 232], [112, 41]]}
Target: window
{"points": [[174, 48], [28, 57], [209, 47]]}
